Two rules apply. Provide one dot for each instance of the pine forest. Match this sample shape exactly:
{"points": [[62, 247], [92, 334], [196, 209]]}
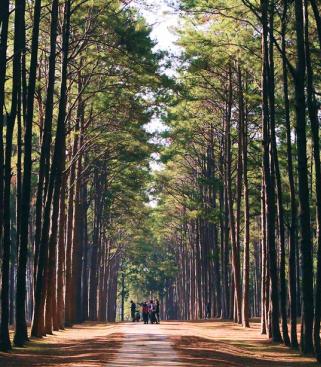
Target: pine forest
{"points": [[190, 174]]}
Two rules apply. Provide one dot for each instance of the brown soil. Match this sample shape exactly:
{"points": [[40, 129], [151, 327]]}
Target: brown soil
{"points": [[225, 344], [87, 345]]}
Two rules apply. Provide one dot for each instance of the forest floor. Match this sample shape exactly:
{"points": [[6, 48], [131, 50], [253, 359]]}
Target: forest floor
{"points": [[173, 343], [222, 343], [86, 345]]}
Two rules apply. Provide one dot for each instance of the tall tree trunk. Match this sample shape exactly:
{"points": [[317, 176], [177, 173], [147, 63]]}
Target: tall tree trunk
{"points": [[292, 232], [238, 212], [55, 170], [21, 326], [275, 160], [51, 302], [269, 179], [18, 210], [46, 137], [76, 254], [235, 252], [85, 252], [61, 249], [246, 259], [94, 255], [78, 218], [12, 290], [313, 114], [79, 273], [306, 243], [4, 21], [264, 326], [71, 233], [5, 343], [199, 270]]}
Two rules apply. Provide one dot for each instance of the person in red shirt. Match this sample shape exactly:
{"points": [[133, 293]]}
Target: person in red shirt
{"points": [[145, 313]]}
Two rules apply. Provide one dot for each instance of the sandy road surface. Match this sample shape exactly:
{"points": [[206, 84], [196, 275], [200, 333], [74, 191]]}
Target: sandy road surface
{"points": [[144, 345]]}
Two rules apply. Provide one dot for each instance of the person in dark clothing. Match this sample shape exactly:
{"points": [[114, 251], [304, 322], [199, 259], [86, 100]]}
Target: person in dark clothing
{"points": [[148, 310], [208, 310], [152, 312], [145, 312], [137, 316], [157, 311], [132, 310]]}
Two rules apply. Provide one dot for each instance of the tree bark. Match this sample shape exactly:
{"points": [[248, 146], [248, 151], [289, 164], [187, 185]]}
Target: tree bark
{"points": [[235, 252], [313, 115], [85, 252], [4, 21], [246, 259], [46, 137], [55, 170], [306, 243], [78, 218], [71, 233], [5, 343], [292, 240], [61, 249], [21, 326], [268, 166], [275, 160]]}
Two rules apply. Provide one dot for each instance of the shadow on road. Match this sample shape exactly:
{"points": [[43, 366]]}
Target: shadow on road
{"points": [[87, 352], [142, 349], [201, 352]]}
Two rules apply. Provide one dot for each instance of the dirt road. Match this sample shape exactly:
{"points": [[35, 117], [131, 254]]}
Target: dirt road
{"points": [[179, 344], [145, 345]]}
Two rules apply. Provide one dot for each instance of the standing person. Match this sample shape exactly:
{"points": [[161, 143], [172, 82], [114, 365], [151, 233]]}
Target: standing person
{"points": [[152, 312], [208, 310], [145, 313], [157, 311], [132, 310], [148, 311]]}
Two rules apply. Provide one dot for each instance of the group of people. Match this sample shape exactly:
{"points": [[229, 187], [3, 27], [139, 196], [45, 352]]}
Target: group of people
{"points": [[150, 311]]}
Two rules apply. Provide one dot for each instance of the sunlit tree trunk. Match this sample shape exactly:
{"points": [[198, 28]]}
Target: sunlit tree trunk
{"points": [[235, 250], [37, 326], [61, 249], [246, 256]]}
